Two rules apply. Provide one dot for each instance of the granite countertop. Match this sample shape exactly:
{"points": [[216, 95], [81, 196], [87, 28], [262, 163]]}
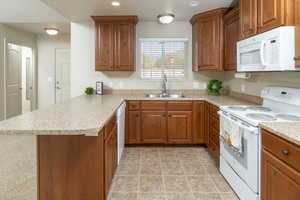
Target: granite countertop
{"points": [[85, 115], [287, 130]]}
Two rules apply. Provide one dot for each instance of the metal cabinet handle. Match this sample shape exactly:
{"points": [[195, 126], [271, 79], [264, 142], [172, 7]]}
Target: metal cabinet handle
{"points": [[297, 58], [285, 152]]}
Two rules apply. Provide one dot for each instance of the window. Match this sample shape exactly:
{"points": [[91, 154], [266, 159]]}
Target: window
{"points": [[161, 56]]}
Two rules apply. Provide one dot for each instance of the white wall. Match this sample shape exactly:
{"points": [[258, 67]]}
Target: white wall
{"points": [[258, 81], [83, 59], [46, 66]]}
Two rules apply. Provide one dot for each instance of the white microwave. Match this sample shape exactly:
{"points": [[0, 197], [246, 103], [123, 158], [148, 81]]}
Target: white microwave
{"points": [[270, 51]]}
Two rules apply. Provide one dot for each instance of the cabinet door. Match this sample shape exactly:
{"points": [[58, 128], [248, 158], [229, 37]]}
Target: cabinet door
{"points": [[231, 36], [195, 47], [134, 127], [199, 122], [179, 127], [114, 147], [270, 14], [153, 127], [209, 44], [248, 18], [104, 47], [108, 163], [279, 181], [124, 47]]}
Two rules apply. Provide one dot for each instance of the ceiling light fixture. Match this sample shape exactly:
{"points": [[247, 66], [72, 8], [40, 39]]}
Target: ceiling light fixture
{"points": [[52, 31], [115, 3], [166, 18], [194, 3]]}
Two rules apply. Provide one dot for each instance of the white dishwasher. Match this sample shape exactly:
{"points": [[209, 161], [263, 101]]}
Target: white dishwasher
{"points": [[121, 130]]}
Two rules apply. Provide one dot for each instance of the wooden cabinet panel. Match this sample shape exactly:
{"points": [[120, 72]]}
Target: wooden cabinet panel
{"points": [[154, 127], [133, 105], [115, 43], [134, 127], [282, 149], [104, 47], [70, 167], [279, 181], [248, 18], [214, 131], [231, 37], [270, 14], [180, 105], [124, 45], [199, 122], [209, 37], [180, 127], [154, 105]]}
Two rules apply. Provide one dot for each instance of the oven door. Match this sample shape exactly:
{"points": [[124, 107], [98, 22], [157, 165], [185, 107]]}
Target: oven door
{"points": [[245, 164]]}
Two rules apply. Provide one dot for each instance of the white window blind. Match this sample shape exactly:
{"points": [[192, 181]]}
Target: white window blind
{"points": [[161, 56]]}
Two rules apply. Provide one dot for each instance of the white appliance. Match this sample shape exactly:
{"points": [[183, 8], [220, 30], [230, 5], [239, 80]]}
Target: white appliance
{"points": [[121, 130], [270, 51], [242, 169]]}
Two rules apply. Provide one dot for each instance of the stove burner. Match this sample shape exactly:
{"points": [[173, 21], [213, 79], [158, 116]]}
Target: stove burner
{"points": [[261, 117], [237, 108], [259, 108], [288, 117]]}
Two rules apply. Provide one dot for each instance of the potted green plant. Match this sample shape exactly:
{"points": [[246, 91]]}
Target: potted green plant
{"points": [[89, 91], [214, 87]]}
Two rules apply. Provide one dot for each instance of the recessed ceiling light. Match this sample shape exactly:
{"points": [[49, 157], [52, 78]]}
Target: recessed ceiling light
{"points": [[52, 31], [115, 3], [166, 18], [194, 3]]}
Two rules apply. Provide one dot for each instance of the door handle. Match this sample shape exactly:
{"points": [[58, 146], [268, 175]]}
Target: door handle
{"points": [[285, 152], [262, 53]]}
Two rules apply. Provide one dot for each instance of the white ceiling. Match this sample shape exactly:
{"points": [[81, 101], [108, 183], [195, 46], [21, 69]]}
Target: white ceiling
{"points": [[78, 10], [28, 11], [38, 28]]}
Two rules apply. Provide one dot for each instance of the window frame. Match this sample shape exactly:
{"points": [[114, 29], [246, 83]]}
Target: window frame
{"points": [[186, 52]]}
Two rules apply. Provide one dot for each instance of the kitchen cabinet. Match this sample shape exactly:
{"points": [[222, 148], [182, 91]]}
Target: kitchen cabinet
{"points": [[231, 37], [208, 40], [213, 131], [258, 16], [134, 127], [154, 124], [165, 122], [280, 168], [115, 43], [110, 154], [199, 122], [248, 18], [180, 127]]}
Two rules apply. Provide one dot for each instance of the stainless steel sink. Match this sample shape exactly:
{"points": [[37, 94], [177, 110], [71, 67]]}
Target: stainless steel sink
{"points": [[172, 96]]}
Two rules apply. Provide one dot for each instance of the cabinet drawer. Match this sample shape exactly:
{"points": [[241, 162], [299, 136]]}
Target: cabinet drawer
{"points": [[109, 127], [282, 149], [180, 105], [134, 105], [154, 105]]}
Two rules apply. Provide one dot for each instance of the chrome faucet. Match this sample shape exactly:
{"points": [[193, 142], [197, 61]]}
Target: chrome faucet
{"points": [[164, 85]]}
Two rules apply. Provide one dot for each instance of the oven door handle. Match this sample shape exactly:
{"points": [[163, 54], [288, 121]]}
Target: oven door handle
{"points": [[262, 53]]}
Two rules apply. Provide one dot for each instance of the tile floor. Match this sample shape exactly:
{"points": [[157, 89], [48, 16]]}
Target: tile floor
{"points": [[169, 173]]}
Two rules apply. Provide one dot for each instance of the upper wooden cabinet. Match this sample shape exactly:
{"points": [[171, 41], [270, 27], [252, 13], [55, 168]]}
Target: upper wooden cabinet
{"points": [[258, 16], [208, 40], [248, 18], [231, 36], [115, 43]]}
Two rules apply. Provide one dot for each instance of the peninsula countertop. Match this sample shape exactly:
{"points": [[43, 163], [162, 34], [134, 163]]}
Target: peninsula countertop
{"points": [[86, 115]]}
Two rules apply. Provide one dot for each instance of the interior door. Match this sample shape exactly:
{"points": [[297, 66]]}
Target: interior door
{"points": [[13, 81], [62, 82]]}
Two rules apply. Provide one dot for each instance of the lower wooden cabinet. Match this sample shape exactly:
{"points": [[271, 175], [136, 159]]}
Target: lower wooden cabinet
{"points": [[180, 127], [279, 181], [213, 130], [133, 135], [110, 158], [153, 127], [165, 122], [280, 169]]}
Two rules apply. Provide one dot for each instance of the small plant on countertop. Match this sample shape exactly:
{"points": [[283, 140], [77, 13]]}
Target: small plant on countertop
{"points": [[214, 87], [89, 91]]}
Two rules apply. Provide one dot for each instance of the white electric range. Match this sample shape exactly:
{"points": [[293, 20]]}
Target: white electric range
{"points": [[242, 169]]}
